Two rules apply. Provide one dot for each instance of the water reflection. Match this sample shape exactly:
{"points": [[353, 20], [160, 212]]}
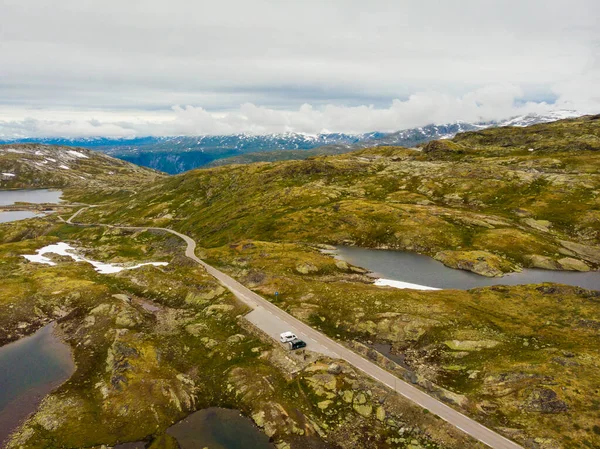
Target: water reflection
{"points": [[418, 269], [35, 196], [219, 428], [29, 369]]}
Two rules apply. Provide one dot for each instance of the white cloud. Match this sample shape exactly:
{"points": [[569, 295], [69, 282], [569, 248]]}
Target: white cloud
{"points": [[256, 66], [494, 102]]}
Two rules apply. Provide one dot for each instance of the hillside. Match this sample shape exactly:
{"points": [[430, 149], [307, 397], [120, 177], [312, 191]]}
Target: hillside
{"points": [[181, 153], [155, 343], [481, 191], [279, 155], [518, 358], [46, 166]]}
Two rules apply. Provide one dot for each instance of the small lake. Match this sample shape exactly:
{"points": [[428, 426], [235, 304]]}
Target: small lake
{"points": [[39, 196], [218, 428], [36, 196], [422, 270], [30, 368], [16, 215]]}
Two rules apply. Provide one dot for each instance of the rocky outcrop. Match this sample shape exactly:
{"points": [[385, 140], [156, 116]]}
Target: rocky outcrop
{"points": [[544, 400], [539, 225], [586, 252], [306, 268], [471, 345], [548, 263], [479, 262], [570, 264]]}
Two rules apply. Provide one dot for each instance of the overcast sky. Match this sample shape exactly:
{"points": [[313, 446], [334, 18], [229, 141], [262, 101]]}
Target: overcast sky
{"points": [[171, 67]]}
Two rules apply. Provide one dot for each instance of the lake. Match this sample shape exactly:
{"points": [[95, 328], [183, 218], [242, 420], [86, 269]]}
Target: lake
{"points": [[422, 270], [16, 215], [39, 196], [30, 368], [36, 196], [219, 428]]}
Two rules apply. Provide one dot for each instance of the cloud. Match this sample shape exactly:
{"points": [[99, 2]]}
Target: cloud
{"points": [[304, 66], [495, 102]]}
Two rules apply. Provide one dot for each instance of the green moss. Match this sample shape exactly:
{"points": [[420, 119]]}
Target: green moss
{"points": [[491, 344]]}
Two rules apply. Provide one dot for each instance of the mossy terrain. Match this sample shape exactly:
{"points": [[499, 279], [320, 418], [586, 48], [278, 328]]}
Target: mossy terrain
{"points": [[523, 359], [154, 344], [36, 166], [480, 192]]}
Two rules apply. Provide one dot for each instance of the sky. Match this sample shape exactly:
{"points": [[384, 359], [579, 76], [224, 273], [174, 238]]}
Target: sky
{"points": [[77, 68]]}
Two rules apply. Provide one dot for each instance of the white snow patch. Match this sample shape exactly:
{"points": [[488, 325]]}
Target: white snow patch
{"points": [[64, 249], [64, 166], [51, 160], [12, 150], [400, 284], [77, 154], [10, 175]]}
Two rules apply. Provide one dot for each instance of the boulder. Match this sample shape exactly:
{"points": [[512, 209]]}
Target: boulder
{"points": [[363, 410], [544, 400], [348, 396], [543, 262], [586, 252], [306, 268], [334, 368], [570, 264], [548, 263], [342, 265]]}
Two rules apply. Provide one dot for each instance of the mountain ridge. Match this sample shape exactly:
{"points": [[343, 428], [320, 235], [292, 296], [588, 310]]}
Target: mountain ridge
{"points": [[176, 154]]}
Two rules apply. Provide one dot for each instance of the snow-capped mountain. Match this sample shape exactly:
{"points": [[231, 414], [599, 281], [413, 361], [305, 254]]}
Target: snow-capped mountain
{"points": [[532, 119], [182, 153]]}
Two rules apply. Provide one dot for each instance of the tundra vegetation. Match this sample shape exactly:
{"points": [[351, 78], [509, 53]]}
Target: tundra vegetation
{"points": [[523, 360], [154, 344], [482, 201]]}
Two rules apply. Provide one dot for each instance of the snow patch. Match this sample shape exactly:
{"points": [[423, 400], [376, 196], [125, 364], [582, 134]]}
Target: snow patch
{"points": [[64, 249], [12, 150], [64, 166], [10, 175], [400, 284], [77, 154]]}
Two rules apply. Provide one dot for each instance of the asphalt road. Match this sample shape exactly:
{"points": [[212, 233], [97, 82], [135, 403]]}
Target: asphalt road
{"points": [[274, 319]]}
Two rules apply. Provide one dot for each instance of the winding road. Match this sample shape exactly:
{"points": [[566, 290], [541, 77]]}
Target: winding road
{"points": [[272, 320]]}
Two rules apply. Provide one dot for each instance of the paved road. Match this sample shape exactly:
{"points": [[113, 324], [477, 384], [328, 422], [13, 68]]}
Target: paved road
{"points": [[274, 319], [272, 325]]}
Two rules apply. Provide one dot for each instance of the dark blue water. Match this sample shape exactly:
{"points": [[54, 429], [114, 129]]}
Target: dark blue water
{"points": [[218, 428], [29, 369], [423, 270]]}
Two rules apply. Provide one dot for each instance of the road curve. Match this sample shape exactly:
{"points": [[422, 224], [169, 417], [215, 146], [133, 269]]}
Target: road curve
{"points": [[457, 419]]}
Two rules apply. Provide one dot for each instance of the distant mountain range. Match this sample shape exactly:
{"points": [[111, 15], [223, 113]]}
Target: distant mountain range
{"points": [[182, 153]]}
